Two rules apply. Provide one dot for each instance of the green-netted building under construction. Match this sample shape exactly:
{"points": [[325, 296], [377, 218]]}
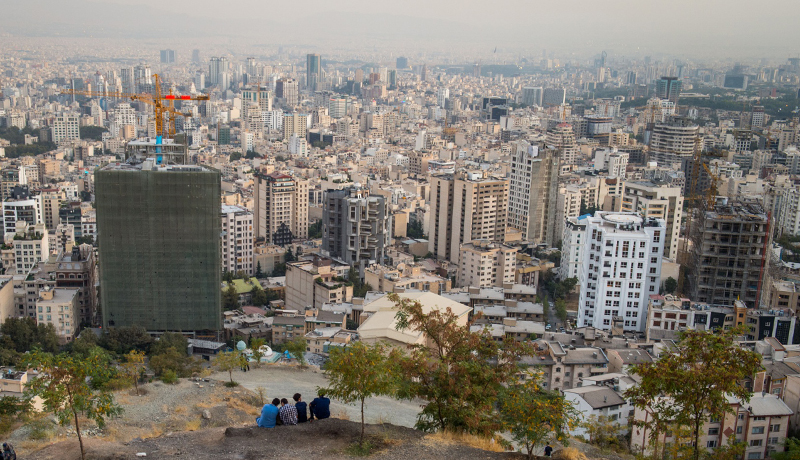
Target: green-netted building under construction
{"points": [[159, 246]]}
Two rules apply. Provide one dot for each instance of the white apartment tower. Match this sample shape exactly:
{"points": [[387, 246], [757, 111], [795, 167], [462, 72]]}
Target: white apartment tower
{"points": [[621, 268], [237, 239], [572, 247], [442, 95]]}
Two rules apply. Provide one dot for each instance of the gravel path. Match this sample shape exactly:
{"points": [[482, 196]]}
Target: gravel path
{"points": [[283, 381]]}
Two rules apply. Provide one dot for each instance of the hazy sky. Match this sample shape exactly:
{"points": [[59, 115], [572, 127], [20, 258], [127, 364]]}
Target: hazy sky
{"points": [[702, 28]]}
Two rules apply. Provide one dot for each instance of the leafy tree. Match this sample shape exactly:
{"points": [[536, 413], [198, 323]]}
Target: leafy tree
{"points": [[64, 385], [255, 345], [361, 371], [289, 256], [792, 450], [561, 310], [258, 296], [259, 272], [133, 366], [241, 275], [23, 334], [315, 230], [534, 415], [169, 340], [297, 347], [251, 155], [121, 340], [175, 361], [227, 276], [92, 132], [279, 270], [691, 384], [414, 229], [228, 361], [601, 430], [459, 373], [230, 299], [670, 284], [235, 156]]}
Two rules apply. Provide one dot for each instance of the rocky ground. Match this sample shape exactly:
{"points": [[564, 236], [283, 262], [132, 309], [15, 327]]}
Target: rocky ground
{"points": [[206, 420]]}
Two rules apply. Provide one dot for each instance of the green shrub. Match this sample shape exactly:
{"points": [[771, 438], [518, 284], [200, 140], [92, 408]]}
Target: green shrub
{"points": [[169, 376]]}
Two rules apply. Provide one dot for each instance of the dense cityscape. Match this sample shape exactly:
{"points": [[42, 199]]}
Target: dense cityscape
{"points": [[586, 222]]}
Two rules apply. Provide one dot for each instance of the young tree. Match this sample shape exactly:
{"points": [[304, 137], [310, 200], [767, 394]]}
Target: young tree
{"points": [[297, 348], [561, 310], [361, 371], [259, 272], [169, 340], [228, 361], [692, 383], [600, 430], [230, 299], [133, 366], [255, 345], [64, 384], [534, 416], [459, 373], [670, 285], [258, 296]]}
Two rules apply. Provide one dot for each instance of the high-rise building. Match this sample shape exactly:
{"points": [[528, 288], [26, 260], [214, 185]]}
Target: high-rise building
{"points": [[442, 95], [562, 138], [66, 127], [195, 56], [391, 78], [533, 194], [313, 71], [621, 269], [142, 78], [673, 142], [51, 199], [21, 207], [669, 88], [486, 264], [281, 208], [757, 118], [287, 89], [355, 226], [295, 123], [337, 107], [731, 246], [465, 206], [237, 239], [401, 63], [532, 95], [218, 72], [572, 242], [260, 96], [167, 56], [553, 96], [649, 199], [160, 234]]}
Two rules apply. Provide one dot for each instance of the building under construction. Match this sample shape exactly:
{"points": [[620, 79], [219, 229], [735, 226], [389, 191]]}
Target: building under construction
{"points": [[159, 239], [730, 255]]}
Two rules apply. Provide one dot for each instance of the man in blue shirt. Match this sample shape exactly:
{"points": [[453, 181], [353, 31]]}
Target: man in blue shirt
{"points": [[269, 414], [302, 408], [320, 407]]}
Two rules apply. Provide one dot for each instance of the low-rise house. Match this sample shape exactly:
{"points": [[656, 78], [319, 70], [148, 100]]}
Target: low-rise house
{"points": [[621, 359], [286, 328]]}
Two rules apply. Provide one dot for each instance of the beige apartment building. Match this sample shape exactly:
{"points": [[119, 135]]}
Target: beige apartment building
{"points": [[404, 277], [59, 307], [466, 206], [485, 264], [281, 208], [659, 201]]}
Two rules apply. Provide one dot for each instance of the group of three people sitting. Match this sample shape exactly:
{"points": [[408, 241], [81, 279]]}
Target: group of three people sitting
{"points": [[280, 412]]}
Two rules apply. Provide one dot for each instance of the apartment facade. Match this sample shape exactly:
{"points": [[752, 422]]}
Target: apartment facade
{"points": [[281, 208], [465, 206], [237, 239], [621, 268], [659, 201], [355, 226], [484, 263], [533, 193]]}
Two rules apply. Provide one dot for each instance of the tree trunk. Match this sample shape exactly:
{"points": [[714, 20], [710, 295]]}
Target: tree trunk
{"points": [[530, 451], [77, 424], [696, 437], [361, 440]]}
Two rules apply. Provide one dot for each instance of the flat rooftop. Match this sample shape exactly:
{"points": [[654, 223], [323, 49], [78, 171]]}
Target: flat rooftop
{"points": [[157, 168]]}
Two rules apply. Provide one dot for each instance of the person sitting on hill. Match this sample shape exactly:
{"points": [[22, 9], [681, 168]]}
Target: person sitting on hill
{"points": [[288, 413], [301, 407], [269, 414], [8, 452], [320, 407]]}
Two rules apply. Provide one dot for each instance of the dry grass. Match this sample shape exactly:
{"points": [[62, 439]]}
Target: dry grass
{"points": [[180, 410], [478, 442], [243, 406], [194, 425], [153, 431], [340, 414], [571, 453]]}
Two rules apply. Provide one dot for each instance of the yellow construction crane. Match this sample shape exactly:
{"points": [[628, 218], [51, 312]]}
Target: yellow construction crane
{"points": [[162, 104]]}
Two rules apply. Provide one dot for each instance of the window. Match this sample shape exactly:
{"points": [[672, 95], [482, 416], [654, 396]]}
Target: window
{"points": [[753, 455], [775, 428], [759, 419], [773, 440], [755, 442], [758, 430], [711, 443], [739, 430]]}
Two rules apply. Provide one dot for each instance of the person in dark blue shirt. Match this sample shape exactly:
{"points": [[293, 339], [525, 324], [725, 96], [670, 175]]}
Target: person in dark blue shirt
{"points": [[301, 406], [320, 406], [269, 414]]}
